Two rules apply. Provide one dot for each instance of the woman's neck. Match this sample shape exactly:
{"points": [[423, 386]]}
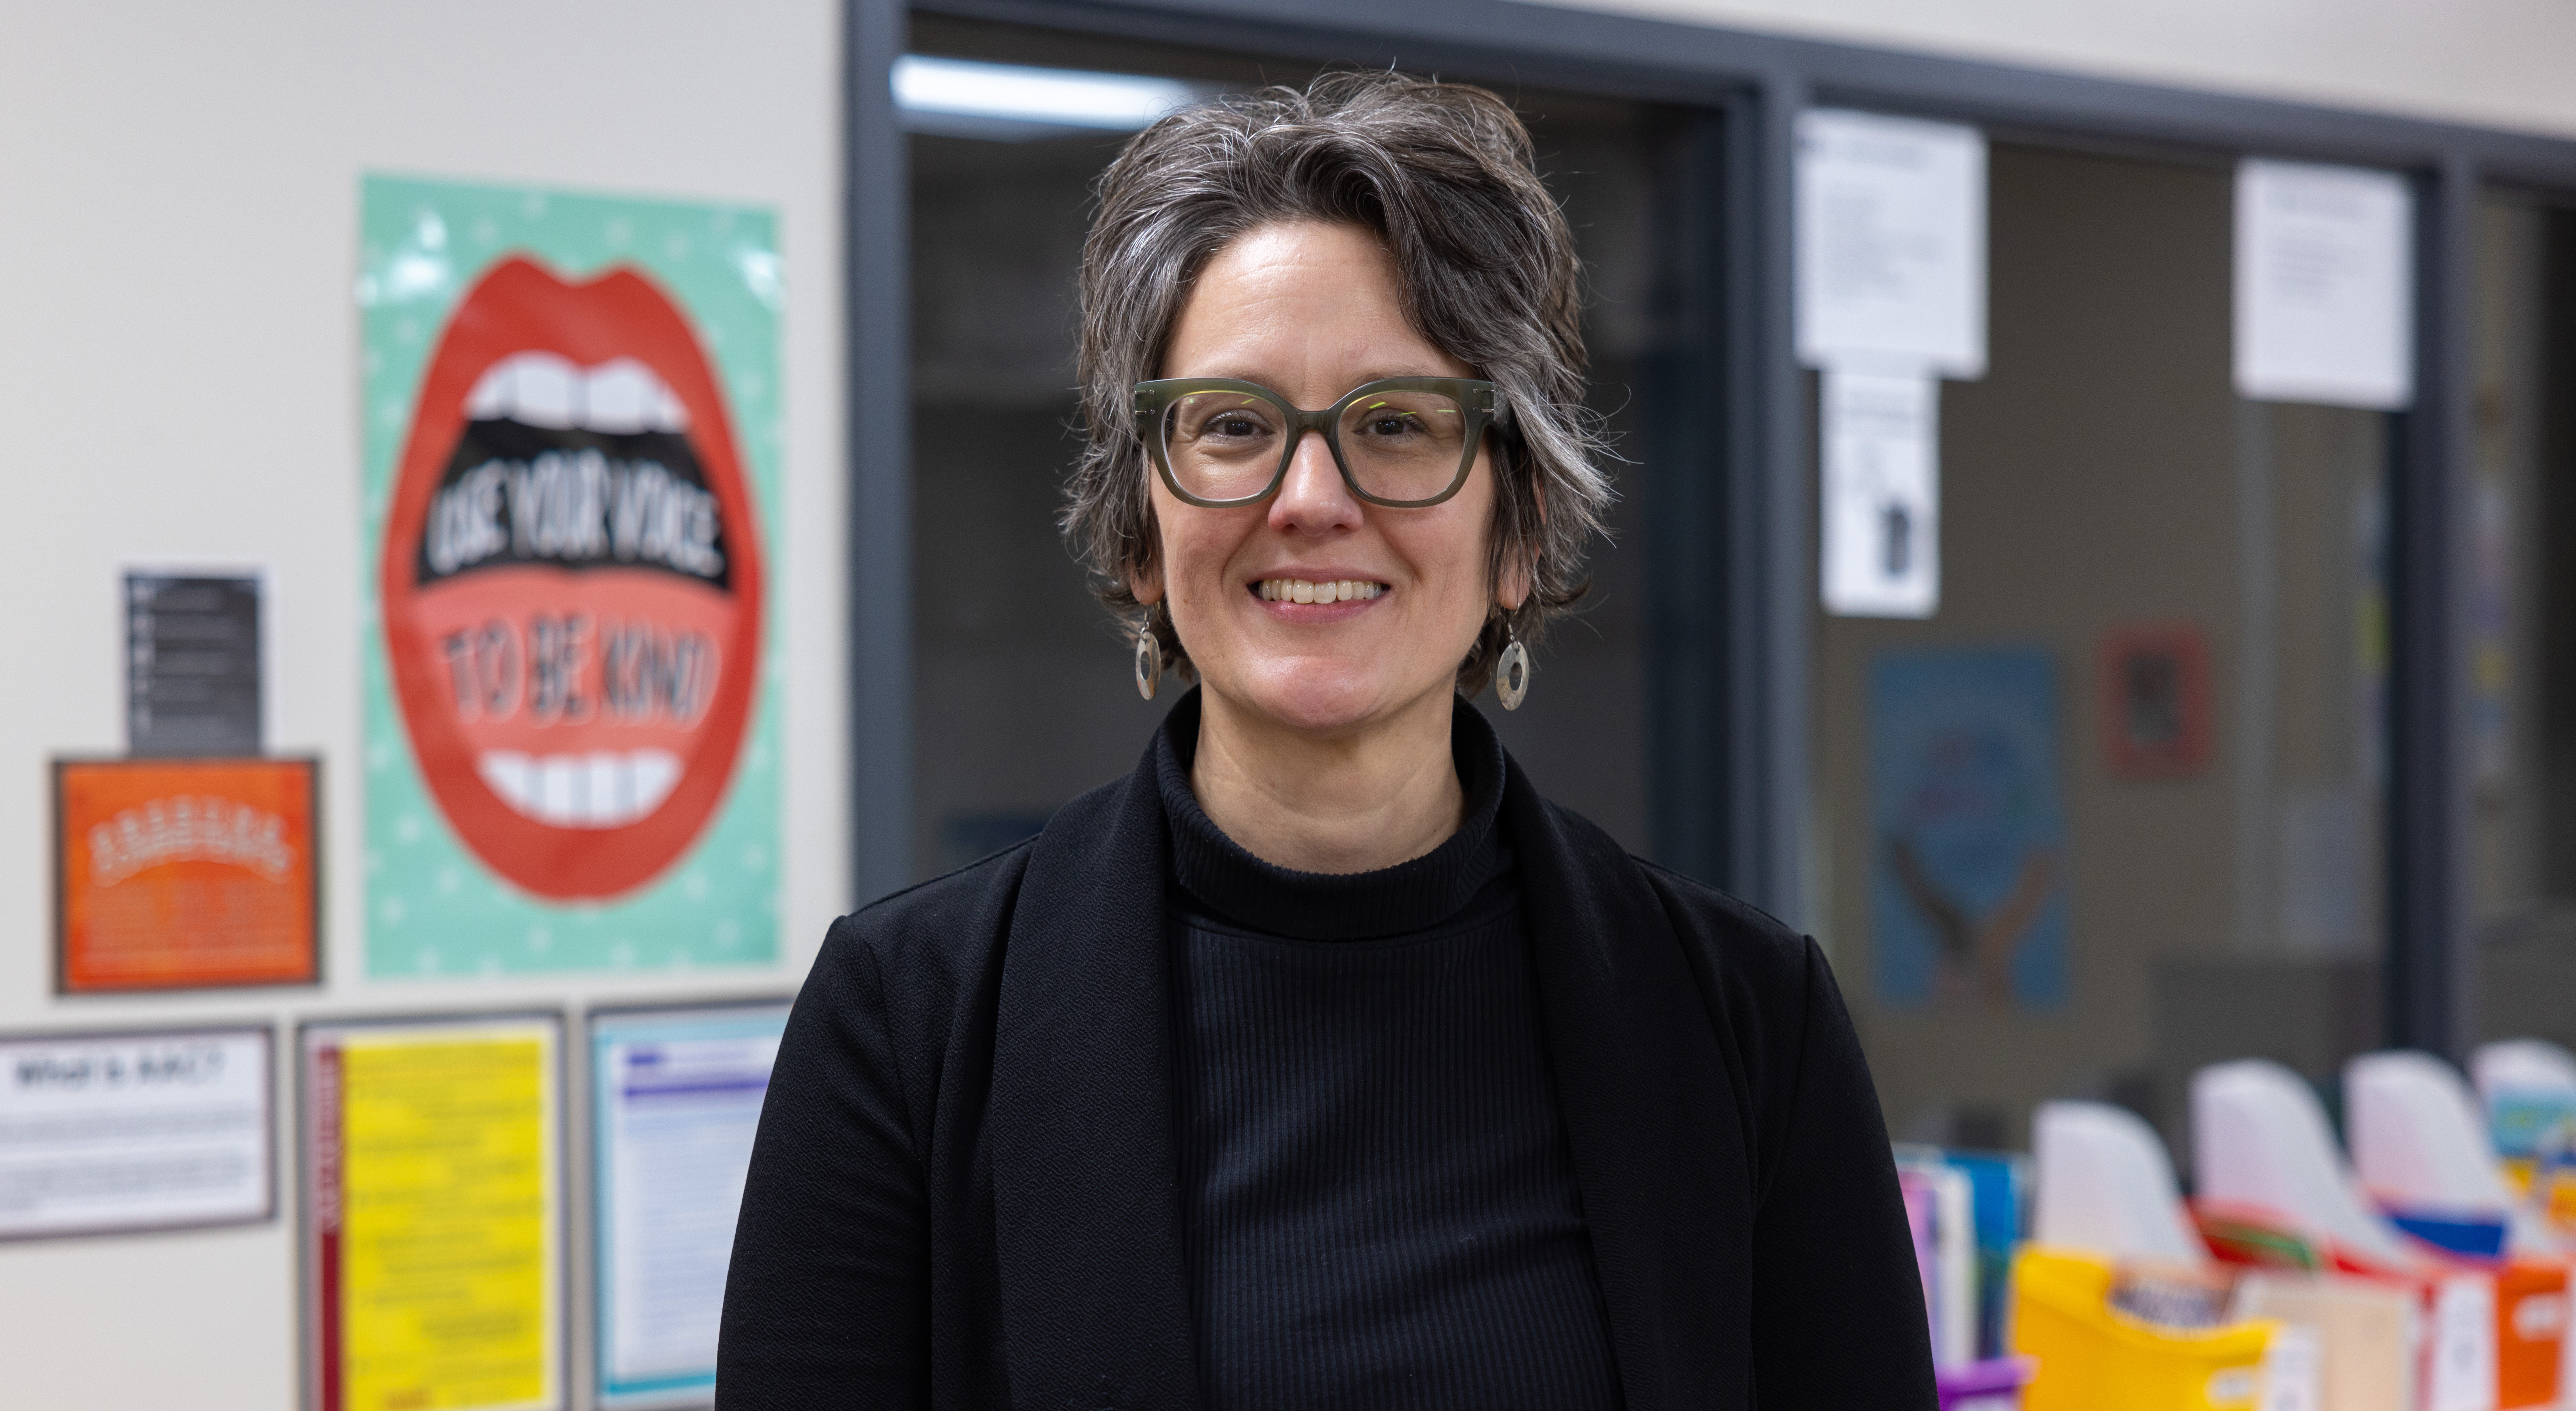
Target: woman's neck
{"points": [[1354, 803]]}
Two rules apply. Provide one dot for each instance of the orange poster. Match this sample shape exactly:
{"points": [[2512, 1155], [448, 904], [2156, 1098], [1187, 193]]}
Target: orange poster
{"points": [[179, 873]]}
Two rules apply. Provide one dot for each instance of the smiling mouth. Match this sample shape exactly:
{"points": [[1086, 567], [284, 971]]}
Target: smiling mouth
{"points": [[591, 789], [1316, 590]]}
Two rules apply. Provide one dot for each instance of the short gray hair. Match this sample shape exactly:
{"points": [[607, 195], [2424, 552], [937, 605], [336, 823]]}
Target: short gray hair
{"points": [[1445, 175]]}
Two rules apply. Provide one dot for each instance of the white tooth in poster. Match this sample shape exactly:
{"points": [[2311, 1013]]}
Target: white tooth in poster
{"points": [[2325, 287], [493, 396], [600, 789], [1891, 244], [1881, 507], [549, 392], [619, 397]]}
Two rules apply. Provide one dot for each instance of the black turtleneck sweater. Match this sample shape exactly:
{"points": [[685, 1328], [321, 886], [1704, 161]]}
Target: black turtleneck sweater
{"points": [[1378, 1201]]}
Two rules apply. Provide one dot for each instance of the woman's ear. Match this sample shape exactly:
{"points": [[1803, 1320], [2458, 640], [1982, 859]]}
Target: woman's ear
{"points": [[1513, 585], [1145, 579]]}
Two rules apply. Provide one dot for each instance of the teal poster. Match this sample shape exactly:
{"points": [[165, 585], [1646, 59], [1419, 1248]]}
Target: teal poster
{"points": [[569, 512], [1967, 869]]}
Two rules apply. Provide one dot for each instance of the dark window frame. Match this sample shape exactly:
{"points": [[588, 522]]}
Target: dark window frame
{"points": [[1729, 672]]}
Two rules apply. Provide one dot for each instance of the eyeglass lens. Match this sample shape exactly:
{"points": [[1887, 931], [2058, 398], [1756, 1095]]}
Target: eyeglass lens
{"points": [[1396, 444]]}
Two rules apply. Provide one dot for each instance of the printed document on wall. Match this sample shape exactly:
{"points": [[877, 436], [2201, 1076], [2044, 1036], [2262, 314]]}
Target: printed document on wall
{"points": [[1881, 509], [2325, 286], [433, 1253], [101, 1133], [677, 1095], [1891, 244]]}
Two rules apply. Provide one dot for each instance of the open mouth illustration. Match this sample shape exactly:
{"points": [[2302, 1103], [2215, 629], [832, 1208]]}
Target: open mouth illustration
{"points": [[572, 581]]}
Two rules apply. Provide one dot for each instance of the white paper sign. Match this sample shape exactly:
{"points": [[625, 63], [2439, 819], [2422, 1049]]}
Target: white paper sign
{"points": [[2463, 1357], [1882, 495], [134, 1132], [678, 1100], [2325, 285], [2293, 1370], [1891, 244]]}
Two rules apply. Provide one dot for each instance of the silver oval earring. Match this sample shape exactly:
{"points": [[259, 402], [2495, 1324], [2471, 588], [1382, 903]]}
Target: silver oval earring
{"points": [[1512, 672], [1149, 658]]}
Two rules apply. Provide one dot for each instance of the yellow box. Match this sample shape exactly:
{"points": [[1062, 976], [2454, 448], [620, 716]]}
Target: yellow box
{"points": [[2093, 1359]]}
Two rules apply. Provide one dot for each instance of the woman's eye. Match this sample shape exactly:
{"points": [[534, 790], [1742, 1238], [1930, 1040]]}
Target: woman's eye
{"points": [[1389, 424], [1235, 425]]}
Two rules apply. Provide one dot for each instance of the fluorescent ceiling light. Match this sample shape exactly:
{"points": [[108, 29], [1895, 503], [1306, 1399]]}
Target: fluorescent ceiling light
{"points": [[959, 97]]}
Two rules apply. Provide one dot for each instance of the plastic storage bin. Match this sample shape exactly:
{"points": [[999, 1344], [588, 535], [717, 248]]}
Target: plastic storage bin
{"points": [[2092, 1358]]}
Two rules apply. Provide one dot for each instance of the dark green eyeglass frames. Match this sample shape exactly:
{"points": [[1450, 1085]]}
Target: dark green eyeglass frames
{"points": [[1401, 442]]}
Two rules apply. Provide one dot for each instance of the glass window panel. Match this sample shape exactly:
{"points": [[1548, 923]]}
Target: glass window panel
{"points": [[2113, 813], [2522, 687]]}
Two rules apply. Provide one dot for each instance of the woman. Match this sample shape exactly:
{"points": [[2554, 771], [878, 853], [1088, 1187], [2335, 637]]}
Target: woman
{"points": [[1321, 1062]]}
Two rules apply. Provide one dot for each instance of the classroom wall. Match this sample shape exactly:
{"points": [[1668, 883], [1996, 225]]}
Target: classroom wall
{"points": [[2492, 63], [178, 373]]}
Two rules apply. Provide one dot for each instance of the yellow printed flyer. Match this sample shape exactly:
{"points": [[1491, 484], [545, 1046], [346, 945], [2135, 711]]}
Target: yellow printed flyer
{"points": [[434, 1251]]}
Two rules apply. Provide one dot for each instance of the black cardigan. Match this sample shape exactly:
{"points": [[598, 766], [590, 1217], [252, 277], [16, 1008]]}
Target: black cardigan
{"points": [[964, 1192]]}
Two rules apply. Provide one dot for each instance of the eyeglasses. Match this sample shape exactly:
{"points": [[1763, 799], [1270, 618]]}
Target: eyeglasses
{"points": [[1401, 442]]}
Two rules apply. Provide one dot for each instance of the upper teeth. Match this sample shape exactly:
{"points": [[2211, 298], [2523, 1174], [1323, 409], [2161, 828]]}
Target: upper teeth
{"points": [[619, 397], [598, 789], [1329, 590]]}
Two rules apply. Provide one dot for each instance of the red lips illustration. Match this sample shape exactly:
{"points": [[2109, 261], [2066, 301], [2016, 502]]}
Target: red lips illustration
{"points": [[572, 581]]}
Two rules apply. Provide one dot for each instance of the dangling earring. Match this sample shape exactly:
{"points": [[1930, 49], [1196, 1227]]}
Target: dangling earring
{"points": [[1511, 671], [1149, 658]]}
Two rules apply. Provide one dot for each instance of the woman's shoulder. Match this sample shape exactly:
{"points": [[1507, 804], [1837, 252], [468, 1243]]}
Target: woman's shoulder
{"points": [[1735, 928], [967, 908], [1767, 992], [951, 928], [1737, 939], [909, 966]]}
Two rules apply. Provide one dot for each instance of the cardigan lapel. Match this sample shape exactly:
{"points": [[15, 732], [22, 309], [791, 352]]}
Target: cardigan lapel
{"points": [[1650, 1117], [1095, 1300]]}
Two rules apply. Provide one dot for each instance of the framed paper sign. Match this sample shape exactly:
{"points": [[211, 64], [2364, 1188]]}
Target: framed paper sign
{"points": [[434, 1231], [185, 873], [107, 1133], [676, 1095], [2155, 695]]}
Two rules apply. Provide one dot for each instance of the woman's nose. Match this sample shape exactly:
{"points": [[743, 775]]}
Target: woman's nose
{"points": [[1312, 498]]}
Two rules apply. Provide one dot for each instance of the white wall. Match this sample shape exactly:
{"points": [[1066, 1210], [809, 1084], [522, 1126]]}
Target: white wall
{"points": [[178, 207], [2491, 63]]}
